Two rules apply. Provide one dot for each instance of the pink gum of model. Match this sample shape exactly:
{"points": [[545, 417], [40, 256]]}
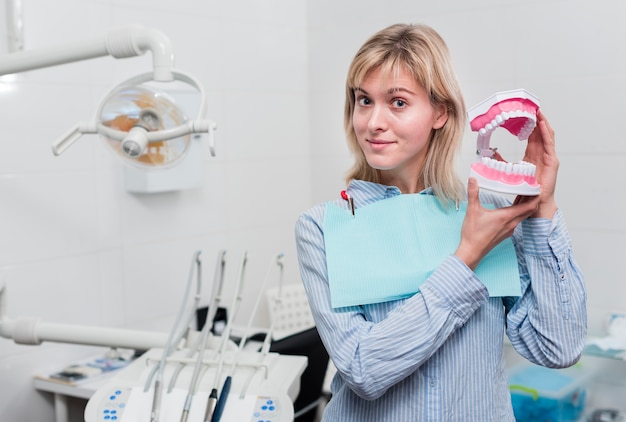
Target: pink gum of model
{"points": [[514, 124]]}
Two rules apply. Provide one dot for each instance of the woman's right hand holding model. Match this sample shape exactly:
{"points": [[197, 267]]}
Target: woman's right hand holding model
{"points": [[484, 228]]}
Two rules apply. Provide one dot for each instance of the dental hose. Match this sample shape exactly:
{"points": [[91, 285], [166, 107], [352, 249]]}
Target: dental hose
{"points": [[213, 306], [221, 403], [268, 336], [178, 338], [171, 340], [216, 297], [211, 408]]}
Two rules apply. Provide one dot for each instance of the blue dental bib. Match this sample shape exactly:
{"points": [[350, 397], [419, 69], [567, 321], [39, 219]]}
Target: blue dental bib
{"points": [[389, 248]]}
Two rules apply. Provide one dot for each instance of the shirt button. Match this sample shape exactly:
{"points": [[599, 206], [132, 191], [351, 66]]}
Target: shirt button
{"points": [[433, 382]]}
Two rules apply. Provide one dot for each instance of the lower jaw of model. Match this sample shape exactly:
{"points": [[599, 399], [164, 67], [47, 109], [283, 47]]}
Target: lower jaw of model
{"points": [[516, 111]]}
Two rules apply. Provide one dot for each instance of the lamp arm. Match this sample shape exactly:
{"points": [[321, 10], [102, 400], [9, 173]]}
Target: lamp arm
{"points": [[123, 42], [134, 40]]}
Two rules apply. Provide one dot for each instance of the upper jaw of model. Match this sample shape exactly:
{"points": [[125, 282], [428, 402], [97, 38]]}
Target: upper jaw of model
{"points": [[516, 111]]}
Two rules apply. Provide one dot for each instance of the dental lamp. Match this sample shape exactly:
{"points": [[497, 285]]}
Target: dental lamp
{"points": [[141, 123]]}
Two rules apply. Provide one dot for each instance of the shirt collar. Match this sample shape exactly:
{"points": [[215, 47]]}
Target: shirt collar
{"points": [[365, 193]]}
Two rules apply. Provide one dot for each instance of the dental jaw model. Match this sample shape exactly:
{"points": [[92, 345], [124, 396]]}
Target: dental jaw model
{"points": [[516, 111]]}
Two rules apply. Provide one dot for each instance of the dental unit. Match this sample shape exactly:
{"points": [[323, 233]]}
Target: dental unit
{"points": [[515, 111], [136, 393], [174, 377]]}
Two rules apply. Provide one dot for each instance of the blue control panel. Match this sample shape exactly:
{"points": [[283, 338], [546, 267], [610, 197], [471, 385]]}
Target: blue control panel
{"points": [[113, 407], [266, 409]]}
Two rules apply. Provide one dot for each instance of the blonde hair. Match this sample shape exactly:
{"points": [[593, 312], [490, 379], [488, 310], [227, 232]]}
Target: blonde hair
{"points": [[423, 53]]}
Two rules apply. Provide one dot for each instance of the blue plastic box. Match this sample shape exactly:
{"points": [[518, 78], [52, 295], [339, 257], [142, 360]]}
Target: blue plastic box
{"points": [[542, 394]]}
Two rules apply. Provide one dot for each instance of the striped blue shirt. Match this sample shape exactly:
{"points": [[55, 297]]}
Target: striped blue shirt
{"points": [[438, 355]]}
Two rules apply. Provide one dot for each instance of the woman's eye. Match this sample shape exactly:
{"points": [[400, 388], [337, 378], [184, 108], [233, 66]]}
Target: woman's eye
{"points": [[363, 101], [399, 103]]}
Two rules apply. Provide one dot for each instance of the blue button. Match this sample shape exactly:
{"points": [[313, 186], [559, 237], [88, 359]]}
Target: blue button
{"points": [[113, 412], [106, 411], [263, 407], [112, 397], [118, 392], [122, 405], [106, 418], [270, 401], [272, 407]]}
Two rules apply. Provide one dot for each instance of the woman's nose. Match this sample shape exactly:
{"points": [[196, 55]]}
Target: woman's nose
{"points": [[377, 119]]}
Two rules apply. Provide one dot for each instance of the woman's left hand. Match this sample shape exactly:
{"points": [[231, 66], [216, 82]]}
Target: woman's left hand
{"points": [[541, 152]]}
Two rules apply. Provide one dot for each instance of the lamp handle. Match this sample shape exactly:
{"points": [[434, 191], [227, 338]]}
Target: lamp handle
{"points": [[71, 136]]}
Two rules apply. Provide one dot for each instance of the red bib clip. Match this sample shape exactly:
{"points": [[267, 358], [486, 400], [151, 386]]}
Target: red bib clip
{"points": [[346, 197]]}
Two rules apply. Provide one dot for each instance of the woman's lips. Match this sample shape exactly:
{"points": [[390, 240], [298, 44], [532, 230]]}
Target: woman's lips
{"points": [[378, 144]]}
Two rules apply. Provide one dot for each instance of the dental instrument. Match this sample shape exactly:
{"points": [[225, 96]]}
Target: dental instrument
{"points": [[221, 402], [216, 296], [516, 111], [277, 301], [213, 399], [215, 300], [195, 263], [175, 337]]}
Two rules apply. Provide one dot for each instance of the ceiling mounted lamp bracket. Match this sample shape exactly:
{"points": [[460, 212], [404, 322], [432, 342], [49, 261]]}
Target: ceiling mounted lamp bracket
{"points": [[122, 42]]}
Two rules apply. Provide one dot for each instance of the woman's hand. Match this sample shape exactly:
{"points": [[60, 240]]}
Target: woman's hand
{"points": [[483, 229], [542, 153]]}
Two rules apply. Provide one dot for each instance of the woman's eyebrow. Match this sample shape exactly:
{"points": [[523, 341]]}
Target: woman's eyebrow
{"points": [[390, 91], [399, 89]]}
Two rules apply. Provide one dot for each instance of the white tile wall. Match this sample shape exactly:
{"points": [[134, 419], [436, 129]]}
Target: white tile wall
{"points": [[76, 248]]}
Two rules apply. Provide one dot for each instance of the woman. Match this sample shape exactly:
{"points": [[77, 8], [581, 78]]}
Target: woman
{"points": [[438, 354]]}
